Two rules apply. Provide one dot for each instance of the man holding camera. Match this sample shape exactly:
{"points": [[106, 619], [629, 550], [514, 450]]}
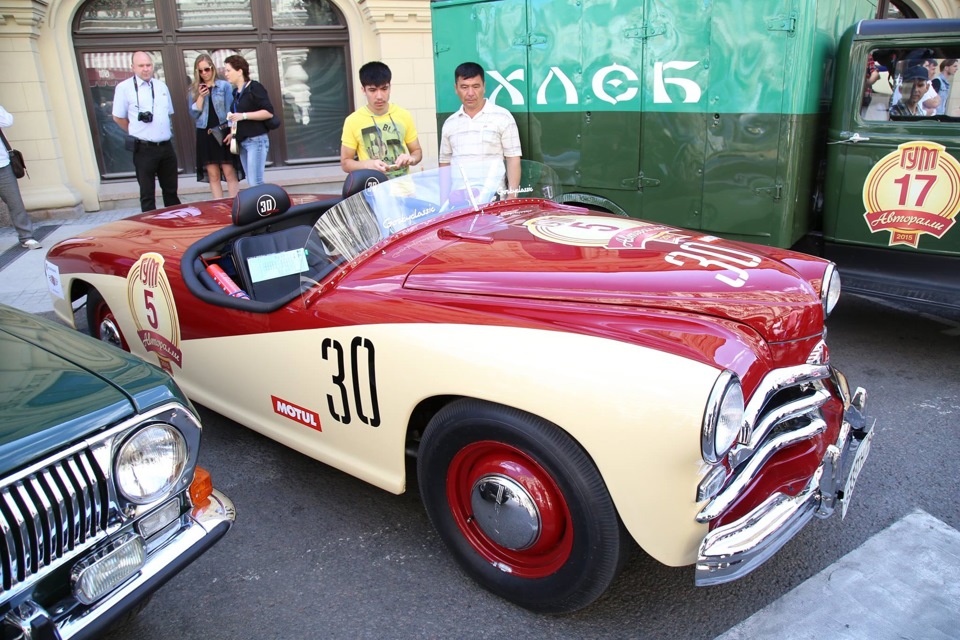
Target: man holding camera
{"points": [[142, 107]]}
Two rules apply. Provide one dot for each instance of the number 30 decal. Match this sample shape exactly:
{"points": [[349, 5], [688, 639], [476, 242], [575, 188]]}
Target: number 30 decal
{"points": [[362, 374]]}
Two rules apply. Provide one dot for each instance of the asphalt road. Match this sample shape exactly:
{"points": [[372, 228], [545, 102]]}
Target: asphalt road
{"points": [[318, 554]]}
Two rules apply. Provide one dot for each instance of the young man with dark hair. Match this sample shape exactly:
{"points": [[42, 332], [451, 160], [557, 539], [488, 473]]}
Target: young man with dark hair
{"points": [[480, 130], [379, 135]]}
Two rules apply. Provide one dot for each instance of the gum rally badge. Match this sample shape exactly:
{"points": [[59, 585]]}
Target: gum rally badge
{"points": [[153, 309], [913, 191]]}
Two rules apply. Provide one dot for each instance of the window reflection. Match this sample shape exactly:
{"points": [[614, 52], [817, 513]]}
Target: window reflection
{"points": [[117, 15], [219, 14], [104, 71], [303, 13], [218, 55], [313, 86]]}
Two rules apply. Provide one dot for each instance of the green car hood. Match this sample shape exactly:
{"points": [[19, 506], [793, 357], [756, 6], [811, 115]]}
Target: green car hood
{"points": [[57, 386]]}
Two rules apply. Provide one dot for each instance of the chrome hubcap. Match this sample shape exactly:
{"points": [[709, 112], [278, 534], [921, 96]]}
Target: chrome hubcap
{"points": [[110, 333], [506, 512]]}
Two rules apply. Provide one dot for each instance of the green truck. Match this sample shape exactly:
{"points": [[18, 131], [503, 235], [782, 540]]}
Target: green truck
{"points": [[757, 120]]}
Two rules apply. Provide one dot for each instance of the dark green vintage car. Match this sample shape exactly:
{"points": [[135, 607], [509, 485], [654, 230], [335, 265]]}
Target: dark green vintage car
{"points": [[101, 501]]}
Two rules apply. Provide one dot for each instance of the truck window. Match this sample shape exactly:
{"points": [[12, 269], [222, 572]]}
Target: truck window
{"points": [[912, 85]]}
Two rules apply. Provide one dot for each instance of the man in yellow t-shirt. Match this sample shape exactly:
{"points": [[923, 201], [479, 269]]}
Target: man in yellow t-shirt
{"points": [[379, 135]]}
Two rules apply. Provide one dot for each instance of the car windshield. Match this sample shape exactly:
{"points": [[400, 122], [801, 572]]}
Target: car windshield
{"points": [[381, 211]]}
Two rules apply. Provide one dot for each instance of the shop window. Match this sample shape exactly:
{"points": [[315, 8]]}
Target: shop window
{"points": [[223, 14], [296, 48], [303, 13], [117, 15]]}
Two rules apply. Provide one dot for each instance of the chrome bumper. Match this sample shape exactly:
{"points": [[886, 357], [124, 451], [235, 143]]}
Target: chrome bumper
{"points": [[206, 526], [732, 551]]}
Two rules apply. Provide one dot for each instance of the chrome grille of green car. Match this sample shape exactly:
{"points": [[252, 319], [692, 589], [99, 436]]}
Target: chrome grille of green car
{"points": [[49, 513]]}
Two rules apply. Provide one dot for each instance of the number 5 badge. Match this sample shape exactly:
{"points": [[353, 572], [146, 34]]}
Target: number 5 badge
{"points": [[154, 311]]}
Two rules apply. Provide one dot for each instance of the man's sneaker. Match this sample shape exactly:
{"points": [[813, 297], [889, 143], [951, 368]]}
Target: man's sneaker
{"points": [[31, 244]]}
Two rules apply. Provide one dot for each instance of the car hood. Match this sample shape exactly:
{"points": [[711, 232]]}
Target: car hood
{"points": [[57, 386], [549, 252]]}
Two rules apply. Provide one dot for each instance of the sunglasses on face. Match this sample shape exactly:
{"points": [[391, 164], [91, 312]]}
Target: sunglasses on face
{"points": [[204, 69]]}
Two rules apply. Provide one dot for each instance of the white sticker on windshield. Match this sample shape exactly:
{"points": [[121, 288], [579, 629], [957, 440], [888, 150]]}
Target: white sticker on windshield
{"points": [[276, 265]]}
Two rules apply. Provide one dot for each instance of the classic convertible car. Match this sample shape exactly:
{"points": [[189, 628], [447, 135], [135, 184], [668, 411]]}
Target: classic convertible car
{"points": [[568, 380], [101, 501]]}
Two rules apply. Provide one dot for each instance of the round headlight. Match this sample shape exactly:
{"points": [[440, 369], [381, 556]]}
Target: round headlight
{"points": [[722, 418], [830, 289], [149, 464]]}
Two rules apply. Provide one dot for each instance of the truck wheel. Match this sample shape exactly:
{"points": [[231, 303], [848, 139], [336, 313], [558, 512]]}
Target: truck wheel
{"points": [[101, 323], [520, 506]]}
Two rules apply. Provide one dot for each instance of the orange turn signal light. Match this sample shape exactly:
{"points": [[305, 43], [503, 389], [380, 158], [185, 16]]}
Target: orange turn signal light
{"points": [[201, 487]]}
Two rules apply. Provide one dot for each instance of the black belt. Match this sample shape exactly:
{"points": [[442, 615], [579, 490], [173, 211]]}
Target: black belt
{"points": [[152, 144]]}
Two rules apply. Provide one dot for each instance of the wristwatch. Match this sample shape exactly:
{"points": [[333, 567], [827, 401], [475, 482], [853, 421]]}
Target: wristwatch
{"points": [[244, 115]]}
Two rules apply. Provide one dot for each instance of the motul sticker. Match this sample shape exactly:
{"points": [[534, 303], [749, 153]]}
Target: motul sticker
{"points": [[913, 191], [154, 311], [296, 413]]}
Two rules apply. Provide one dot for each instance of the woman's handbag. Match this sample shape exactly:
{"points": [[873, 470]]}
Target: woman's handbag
{"points": [[17, 164], [219, 133]]}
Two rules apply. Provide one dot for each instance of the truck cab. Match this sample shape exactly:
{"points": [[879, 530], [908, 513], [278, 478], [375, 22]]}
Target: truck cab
{"points": [[892, 188]]}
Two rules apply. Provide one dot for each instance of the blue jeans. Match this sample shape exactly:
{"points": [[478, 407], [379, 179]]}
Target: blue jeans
{"points": [[253, 157], [10, 194]]}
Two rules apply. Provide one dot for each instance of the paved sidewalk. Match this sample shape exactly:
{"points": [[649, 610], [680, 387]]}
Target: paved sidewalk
{"points": [[22, 276]]}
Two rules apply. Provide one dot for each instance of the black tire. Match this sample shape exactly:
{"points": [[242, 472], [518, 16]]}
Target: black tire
{"points": [[102, 323], [476, 454]]}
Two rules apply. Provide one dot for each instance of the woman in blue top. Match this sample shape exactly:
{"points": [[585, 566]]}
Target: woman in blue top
{"points": [[249, 113], [214, 161]]}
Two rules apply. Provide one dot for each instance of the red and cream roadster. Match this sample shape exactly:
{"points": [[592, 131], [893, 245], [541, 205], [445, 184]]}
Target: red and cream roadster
{"points": [[569, 381]]}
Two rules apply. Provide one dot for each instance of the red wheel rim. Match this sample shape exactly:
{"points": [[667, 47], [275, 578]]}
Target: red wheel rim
{"points": [[108, 329], [487, 458]]}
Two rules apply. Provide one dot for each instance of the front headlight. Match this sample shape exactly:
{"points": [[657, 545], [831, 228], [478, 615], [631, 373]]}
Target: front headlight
{"points": [[149, 464], [722, 418], [830, 289]]}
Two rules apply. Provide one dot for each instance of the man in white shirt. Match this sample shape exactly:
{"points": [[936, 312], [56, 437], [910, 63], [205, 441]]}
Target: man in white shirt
{"points": [[480, 131], [142, 107]]}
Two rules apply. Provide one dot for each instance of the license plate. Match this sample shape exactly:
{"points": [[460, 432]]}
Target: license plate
{"points": [[858, 461]]}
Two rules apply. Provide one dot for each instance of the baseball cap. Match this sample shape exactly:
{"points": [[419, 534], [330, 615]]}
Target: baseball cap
{"points": [[915, 73]]}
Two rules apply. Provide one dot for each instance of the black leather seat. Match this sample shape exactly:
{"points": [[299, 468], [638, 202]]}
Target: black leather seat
{"points": [[360, 179]]}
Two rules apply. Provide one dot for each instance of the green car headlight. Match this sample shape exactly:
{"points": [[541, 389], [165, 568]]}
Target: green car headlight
{"points": [[150, 464], [722, 418]]}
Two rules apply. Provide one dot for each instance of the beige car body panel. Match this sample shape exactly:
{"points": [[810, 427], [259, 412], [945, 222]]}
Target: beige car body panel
{"points": [[643, 432]]}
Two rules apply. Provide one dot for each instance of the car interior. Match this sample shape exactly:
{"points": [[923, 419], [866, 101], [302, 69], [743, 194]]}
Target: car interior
{"points": [[262, 261]]}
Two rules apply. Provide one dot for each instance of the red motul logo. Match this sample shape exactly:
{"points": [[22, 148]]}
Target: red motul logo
{"points": [[297, 414]]}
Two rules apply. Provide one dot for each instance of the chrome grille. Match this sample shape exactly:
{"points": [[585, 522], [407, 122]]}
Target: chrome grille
{"points": [[48, 513], [784, 410]]}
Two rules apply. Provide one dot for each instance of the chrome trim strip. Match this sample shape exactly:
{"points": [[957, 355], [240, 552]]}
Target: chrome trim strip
{"points": [[734, 550], [213, 520], [773, 382], [788, 411], [722, 502]]}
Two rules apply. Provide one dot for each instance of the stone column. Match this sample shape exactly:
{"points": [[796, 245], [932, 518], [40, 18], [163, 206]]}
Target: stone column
{"points": [[23, 92]]}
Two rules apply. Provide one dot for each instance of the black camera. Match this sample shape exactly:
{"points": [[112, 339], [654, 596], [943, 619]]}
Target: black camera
{"points": [[145, 116]]}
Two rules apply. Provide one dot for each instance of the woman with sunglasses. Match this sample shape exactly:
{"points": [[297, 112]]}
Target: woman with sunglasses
{"points": [[214, 161], [249, 112]]}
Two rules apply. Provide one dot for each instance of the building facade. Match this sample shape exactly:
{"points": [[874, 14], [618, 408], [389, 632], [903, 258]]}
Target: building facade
{"points": [[61, 60]]}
